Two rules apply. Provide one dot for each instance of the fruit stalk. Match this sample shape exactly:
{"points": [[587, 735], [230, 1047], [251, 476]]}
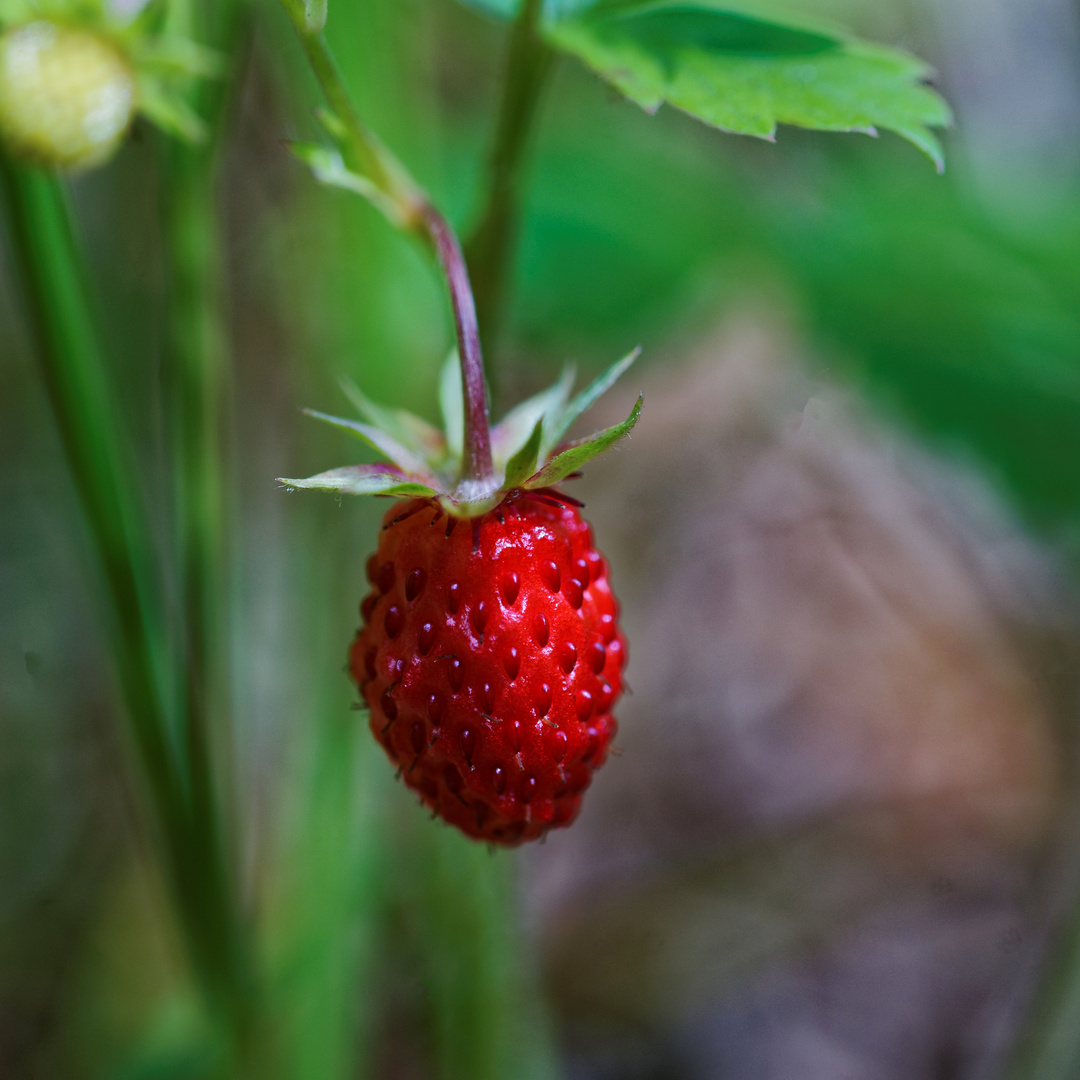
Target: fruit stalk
{"points": [[476, 456], [416, 214]]}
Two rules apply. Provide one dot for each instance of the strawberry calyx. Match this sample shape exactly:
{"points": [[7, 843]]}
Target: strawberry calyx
{"points": [[469, 467], [527, 448]]}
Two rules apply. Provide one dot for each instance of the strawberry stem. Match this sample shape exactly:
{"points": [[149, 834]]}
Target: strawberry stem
{"points": [[419, 216], [476, 449]]}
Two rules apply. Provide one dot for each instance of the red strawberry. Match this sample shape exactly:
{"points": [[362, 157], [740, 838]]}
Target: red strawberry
{"points": [[490, 655], [491, 659]]}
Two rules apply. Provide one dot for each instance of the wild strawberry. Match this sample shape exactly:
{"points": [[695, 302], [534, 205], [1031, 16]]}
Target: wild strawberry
{"points": [[491, 659], [490, 656], [66, 94]]}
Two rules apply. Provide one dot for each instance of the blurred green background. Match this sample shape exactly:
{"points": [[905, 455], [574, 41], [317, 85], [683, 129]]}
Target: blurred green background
{"points": [[393, 947]]}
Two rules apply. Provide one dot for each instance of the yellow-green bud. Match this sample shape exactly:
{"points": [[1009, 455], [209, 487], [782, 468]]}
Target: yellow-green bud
{"points": [[66, 95]]}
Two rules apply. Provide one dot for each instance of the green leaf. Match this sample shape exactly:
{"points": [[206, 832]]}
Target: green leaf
{"points": [[747, 73], [452, 404], [577, 454], [523, 464], [409, 430], [517, 425], [666, 27], [361, 480], [559, 425], [378, 440]]}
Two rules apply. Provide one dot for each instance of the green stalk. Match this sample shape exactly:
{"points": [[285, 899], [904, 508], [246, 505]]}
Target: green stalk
{"points": [[195, 356], [416, 215], [47, 258], [490, 248], [197, 365]]}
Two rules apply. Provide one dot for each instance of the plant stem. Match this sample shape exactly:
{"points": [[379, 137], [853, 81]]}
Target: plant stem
{"points": [[364, 154], [197, 364], [490, 247], [43, 250], [47, 255], [476, 451]]}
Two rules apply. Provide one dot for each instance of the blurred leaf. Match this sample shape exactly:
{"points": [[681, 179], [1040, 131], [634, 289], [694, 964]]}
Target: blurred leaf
{"points": [[577, 454], [746, 75]]}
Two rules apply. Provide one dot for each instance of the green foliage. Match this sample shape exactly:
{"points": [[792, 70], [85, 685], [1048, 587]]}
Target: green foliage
{"points": [[745, 67]]}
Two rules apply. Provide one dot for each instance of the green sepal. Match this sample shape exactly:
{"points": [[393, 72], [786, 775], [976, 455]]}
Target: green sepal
{"points": [[409, 430], [577, 454], [452, 405], [561, 423], [523, 464], [361, 480], [511, 432], [404, 458]]}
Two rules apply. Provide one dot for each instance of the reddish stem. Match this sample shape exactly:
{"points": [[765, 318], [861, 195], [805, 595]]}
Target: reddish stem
{"points": [[476, 451]]}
